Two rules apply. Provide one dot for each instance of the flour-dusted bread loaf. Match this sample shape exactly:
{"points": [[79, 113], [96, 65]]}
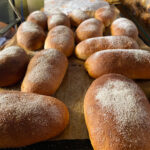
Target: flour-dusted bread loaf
{"points": [[13, 63], [60, 38], [88, 29], [58, 19], [27, 118], [117, 114], [30, 36], [77, 16], [106, 14], [45, 72], [133, 63], [39, 18], [124, 26], [87, 47]]}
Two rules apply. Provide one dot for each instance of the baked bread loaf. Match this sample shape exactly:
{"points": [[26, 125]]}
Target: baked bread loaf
{"points": [[13, 63], [58, 19], [88, 29], [117, 114], [45, 72], [106, 14], [30, 36], [39, 18], [133, 63], [87, 47], [124, 26], [77, 16], [60, 38], [27, 118]]}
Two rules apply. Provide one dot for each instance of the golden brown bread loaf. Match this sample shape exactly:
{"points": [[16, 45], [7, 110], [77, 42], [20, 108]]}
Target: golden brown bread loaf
{"points": [[30, 36], [88, 29], [13, 63], [39, 18], [117, 114], [45, 72], [60, 38], [58, 19], [133, 63], [87, 47], [106, 14], [27, 118], [124, 26], [77, 16]]}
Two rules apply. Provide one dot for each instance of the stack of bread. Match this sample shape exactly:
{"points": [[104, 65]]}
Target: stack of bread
{"points": [[116, 110]]}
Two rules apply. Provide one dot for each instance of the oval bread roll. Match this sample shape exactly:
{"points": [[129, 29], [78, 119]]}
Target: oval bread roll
{"points": [[133, 63], [27, 118], [13, 63], [77, 16], [30, 36], [124, 26], [60, 38], [87, 47], [88, 29], [58, 19], [106, 14], [39, 18], [45, 72], [117, 114]]}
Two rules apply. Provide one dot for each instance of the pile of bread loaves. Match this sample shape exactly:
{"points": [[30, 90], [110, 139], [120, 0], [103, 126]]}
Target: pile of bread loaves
{"points": [[117, 112]]}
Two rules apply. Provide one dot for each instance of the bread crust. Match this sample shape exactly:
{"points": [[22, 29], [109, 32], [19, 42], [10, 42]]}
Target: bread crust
{"points": [[106, 14], [77, 16], [27, 118], [117, 114], [13, 63], [124, 26], [58, 19], [45, 72], [30, 36], [60, 38], [133, 63], [88, 29], [39, 18], [89, 46]]}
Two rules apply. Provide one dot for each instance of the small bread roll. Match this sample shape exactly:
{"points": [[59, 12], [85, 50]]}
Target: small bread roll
{"points": [[88, 29], [30, 36], [13, 63], [77, 16], [27, 118], [45, 72], [124, 26], [39, 18], [133, 63], [117, 114], [58, 19], [60, 38], [106, 14], [87, 47]]}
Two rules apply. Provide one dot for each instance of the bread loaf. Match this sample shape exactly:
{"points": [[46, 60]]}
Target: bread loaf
{"points": [[13, 63], [106, 14], [77, 16], [27, 118], [117, 114], [124, 26], [60, 38], [133, 63], [88, 29], [45, 72], [87, 47], [30, 36], [58, 19], [39, 18]]}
